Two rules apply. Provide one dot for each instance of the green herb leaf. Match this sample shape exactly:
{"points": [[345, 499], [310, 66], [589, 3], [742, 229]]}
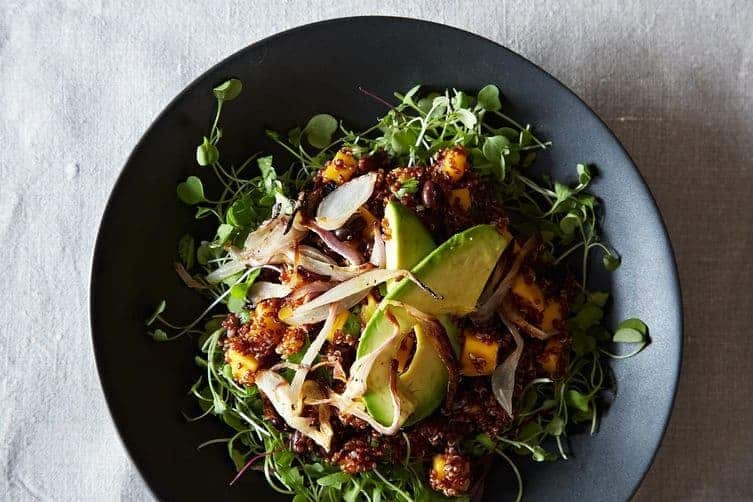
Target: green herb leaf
{"points": [[570, 222], [223, 233], [157, 311], [319, 130], [628, 335], [635, 324], [241, 213], [228, 90], [159, 335], [408, 186], [191, 191], [589, 315], [204, 253], [269, 176], [598, 298], [336, 479], [488, 98], [238, 293], [555, 427], [494, 150], [611, 262], [577, 400], [186, 251], [467, 117], [206, 153], [584, 174]]}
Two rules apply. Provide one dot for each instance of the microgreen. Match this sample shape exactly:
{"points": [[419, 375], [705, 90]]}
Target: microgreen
{"points": [[319, 130], [412, 131], [191, 191], [406, 187]]}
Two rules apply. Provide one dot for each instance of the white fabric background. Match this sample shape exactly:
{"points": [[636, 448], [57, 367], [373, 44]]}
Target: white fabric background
{"points": [[81, 80]]}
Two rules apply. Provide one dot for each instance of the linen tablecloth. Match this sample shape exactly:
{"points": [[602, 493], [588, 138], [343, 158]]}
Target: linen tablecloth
{"points": [[81, 80]]}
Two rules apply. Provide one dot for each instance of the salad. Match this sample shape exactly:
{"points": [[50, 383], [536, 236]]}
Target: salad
{"points": [[391, 311]]}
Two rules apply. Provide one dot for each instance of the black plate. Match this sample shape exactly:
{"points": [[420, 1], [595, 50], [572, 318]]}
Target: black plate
{"points": [[317, 68]]}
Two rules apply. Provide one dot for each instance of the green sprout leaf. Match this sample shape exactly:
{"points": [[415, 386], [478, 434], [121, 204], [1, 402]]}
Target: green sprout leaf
{"points": [[319, 130], [555, 427], [611, 262], [598, 298], [466, 117], [488, 98], [570, 222], [206, 153], [241, 213], [224, 232], [408, 186], [191, 191], [577, 400], [186, 251], [628, 335], [584, 174], [228, 90], [159, 335], [635, 324], [157, 311], [238, 293], [336, 479]]}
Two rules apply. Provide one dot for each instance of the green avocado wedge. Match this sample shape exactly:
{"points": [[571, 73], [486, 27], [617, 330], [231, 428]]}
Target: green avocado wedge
{"points": [[409, 241], [457, 271]]}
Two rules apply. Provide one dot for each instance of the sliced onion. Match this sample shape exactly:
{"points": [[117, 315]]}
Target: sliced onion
{"points": [[187, 278], [503, 378], [319, 314], [378, 250], [349, 288], [350, 402], [335, 272], [279, 393], [335, 244], [485, 311], [312, 252], [511, 314], [263, 290], [337, 207], [226, 270], [312, 288], [313, 351], [271, 238], [439, 339]]}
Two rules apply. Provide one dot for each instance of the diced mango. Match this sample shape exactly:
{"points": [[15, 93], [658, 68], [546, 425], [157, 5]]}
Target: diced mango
{"points": [[552, 314], [242, 365], [549, 362], [339, 323], [550, 358], [478, 357], [404, 352], [454, 163], [341, 168], [530, 293], [461, 197], [437, 465], [368, 309]]}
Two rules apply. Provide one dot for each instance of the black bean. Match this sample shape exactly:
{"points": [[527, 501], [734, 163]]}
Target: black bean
{"points": [[430, 194], [344, 234]]}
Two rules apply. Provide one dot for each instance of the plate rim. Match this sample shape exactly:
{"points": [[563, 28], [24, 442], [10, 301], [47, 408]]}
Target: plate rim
{"points": [[96, 252]]}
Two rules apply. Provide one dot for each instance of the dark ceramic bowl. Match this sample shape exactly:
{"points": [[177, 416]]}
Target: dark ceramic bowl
{"points": [[314, 69]]}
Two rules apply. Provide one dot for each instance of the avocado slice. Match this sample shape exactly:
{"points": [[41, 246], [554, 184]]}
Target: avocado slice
{"points": [[457, 270], [409, 241]]}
